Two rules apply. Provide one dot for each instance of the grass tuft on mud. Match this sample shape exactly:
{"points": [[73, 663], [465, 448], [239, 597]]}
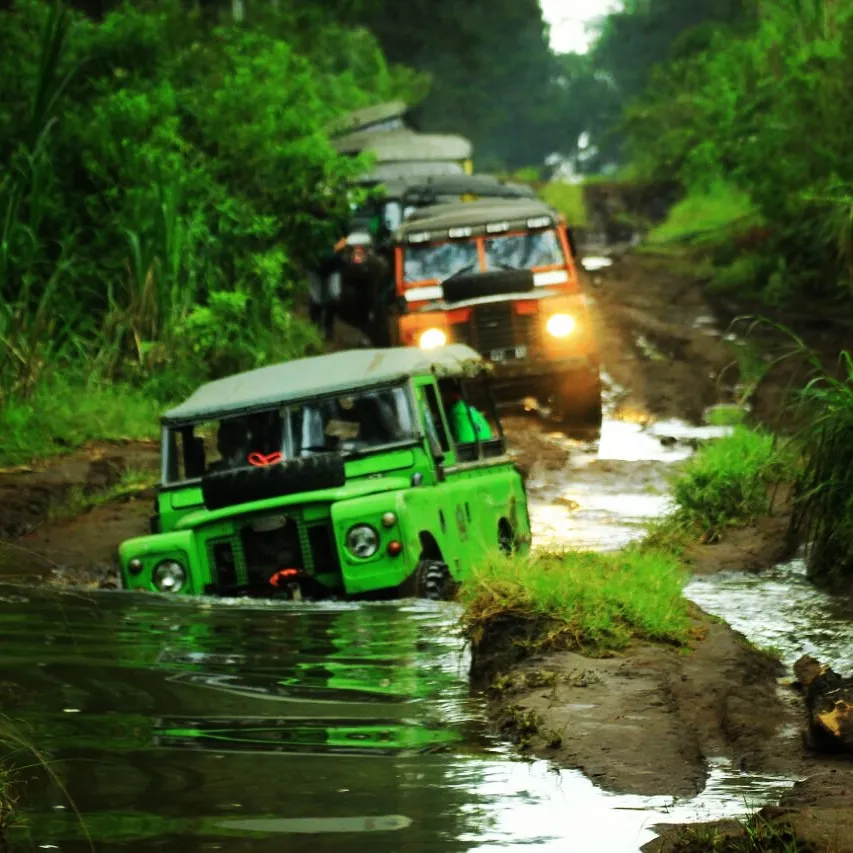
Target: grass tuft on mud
{"points": [[594, 602], [729, 482], [65, 413], [757, 835]]}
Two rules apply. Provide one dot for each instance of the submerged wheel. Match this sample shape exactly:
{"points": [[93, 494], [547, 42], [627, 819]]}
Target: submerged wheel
{"points": [[506, 538], [433, 580]]}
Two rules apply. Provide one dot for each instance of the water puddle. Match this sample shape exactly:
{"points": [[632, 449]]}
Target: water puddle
{"points": [[200, 726], [782, 611], [611, 488], [592, 263]]}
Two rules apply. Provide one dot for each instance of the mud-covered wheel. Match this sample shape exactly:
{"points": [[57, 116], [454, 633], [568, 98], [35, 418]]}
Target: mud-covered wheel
{"points": [[433, 581]]}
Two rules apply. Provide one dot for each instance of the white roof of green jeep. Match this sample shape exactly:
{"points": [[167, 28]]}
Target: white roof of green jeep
{"points": [[319, 376]]}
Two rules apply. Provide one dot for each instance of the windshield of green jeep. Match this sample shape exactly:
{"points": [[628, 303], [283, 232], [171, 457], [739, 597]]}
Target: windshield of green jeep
{"points": [[439, 262], [346, 423], [524, 251]]}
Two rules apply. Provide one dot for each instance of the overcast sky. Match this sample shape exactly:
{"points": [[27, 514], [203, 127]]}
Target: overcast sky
{"points": [[569, 18]]}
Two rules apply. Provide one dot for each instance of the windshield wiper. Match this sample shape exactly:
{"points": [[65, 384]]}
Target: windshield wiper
{"points": [[459, 272]]}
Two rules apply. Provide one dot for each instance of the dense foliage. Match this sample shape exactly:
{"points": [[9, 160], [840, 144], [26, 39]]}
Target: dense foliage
{"points": [[492, 70], [165, 179], [769, 110]]}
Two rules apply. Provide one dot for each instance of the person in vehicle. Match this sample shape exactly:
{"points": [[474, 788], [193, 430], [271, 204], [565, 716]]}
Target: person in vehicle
{"points": [[231, 442], [238, 438], [467, 422]]}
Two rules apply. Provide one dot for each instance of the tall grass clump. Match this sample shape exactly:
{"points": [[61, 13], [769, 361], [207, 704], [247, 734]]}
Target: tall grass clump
{"points": [[575, 600], [6, 802], [17, 750], [729, 482], [823, 491]]}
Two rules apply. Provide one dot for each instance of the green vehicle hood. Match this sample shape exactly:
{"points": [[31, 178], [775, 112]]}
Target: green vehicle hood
{"points": [[355, 489]]}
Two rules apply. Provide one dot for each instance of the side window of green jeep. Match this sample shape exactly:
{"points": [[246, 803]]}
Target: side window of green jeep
{"points": [[472, 418]]}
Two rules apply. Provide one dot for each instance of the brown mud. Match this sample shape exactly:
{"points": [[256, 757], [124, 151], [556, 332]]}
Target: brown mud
{"points": [[53, 527], [644, 721]]}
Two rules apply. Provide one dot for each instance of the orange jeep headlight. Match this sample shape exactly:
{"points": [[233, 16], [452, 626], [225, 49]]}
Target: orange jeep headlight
{"points": [[432, 338], [560, 325]]}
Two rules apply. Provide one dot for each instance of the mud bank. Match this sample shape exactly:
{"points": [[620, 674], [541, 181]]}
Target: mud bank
{"points": [[645, 721], [61, 521]]}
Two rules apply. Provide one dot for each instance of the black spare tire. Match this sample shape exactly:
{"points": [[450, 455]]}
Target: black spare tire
{"points": [[500, 283], [222, 489]]}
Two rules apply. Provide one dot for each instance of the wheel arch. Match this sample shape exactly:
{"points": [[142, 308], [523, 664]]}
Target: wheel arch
{"points": [[430, 549]]}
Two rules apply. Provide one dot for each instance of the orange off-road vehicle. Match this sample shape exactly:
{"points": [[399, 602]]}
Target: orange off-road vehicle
{"points": [[499, 276]]}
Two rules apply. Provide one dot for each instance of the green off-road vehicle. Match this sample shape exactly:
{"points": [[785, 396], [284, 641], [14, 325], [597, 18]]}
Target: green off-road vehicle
{"points": [[372, 473]]}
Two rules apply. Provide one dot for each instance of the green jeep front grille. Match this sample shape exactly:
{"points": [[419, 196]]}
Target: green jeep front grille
{"points": [[230, 566]]}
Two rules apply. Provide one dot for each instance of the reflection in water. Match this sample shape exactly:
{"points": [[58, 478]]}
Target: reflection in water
{"points": [[781, 610], [262, 727]]}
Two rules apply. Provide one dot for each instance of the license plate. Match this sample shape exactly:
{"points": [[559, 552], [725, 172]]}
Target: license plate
{"points": [[499, 355]]}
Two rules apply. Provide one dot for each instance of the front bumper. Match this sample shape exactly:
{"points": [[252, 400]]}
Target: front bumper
{"points": [[518, 380]]}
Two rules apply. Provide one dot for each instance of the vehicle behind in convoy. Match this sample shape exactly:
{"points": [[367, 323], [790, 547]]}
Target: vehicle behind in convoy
{"points": [[367, 284], [498, 275], [378, 473]]}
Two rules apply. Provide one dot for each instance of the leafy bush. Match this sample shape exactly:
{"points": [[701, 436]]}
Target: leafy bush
{"points": [[161, 170], [766, 108]]}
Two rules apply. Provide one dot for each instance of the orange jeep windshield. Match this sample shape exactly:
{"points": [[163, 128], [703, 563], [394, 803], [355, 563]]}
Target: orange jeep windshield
{"points": [[440, 261]]}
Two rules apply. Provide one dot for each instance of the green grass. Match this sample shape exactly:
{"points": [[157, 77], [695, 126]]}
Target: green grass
{"points": [[577, 599], [706, 216], [823, 491], [64, 413], [17, 748], [758, 835], [568, 199], [7, 800], [728, 483]]}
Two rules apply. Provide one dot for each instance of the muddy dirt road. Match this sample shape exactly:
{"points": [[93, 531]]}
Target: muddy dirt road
{"points": [[650, 722]]}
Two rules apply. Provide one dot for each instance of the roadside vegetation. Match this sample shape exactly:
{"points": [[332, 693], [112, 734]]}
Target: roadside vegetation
{"points": [[587, 601], [161, 201], [757, 835], [823, 491], [758, 103], [6, 803], [729, 482]]}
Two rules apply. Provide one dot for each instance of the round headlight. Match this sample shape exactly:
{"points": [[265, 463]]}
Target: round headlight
{"points": [[134, 566], [169, 576], [560, 325], [362, 540], [432, 338]]}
